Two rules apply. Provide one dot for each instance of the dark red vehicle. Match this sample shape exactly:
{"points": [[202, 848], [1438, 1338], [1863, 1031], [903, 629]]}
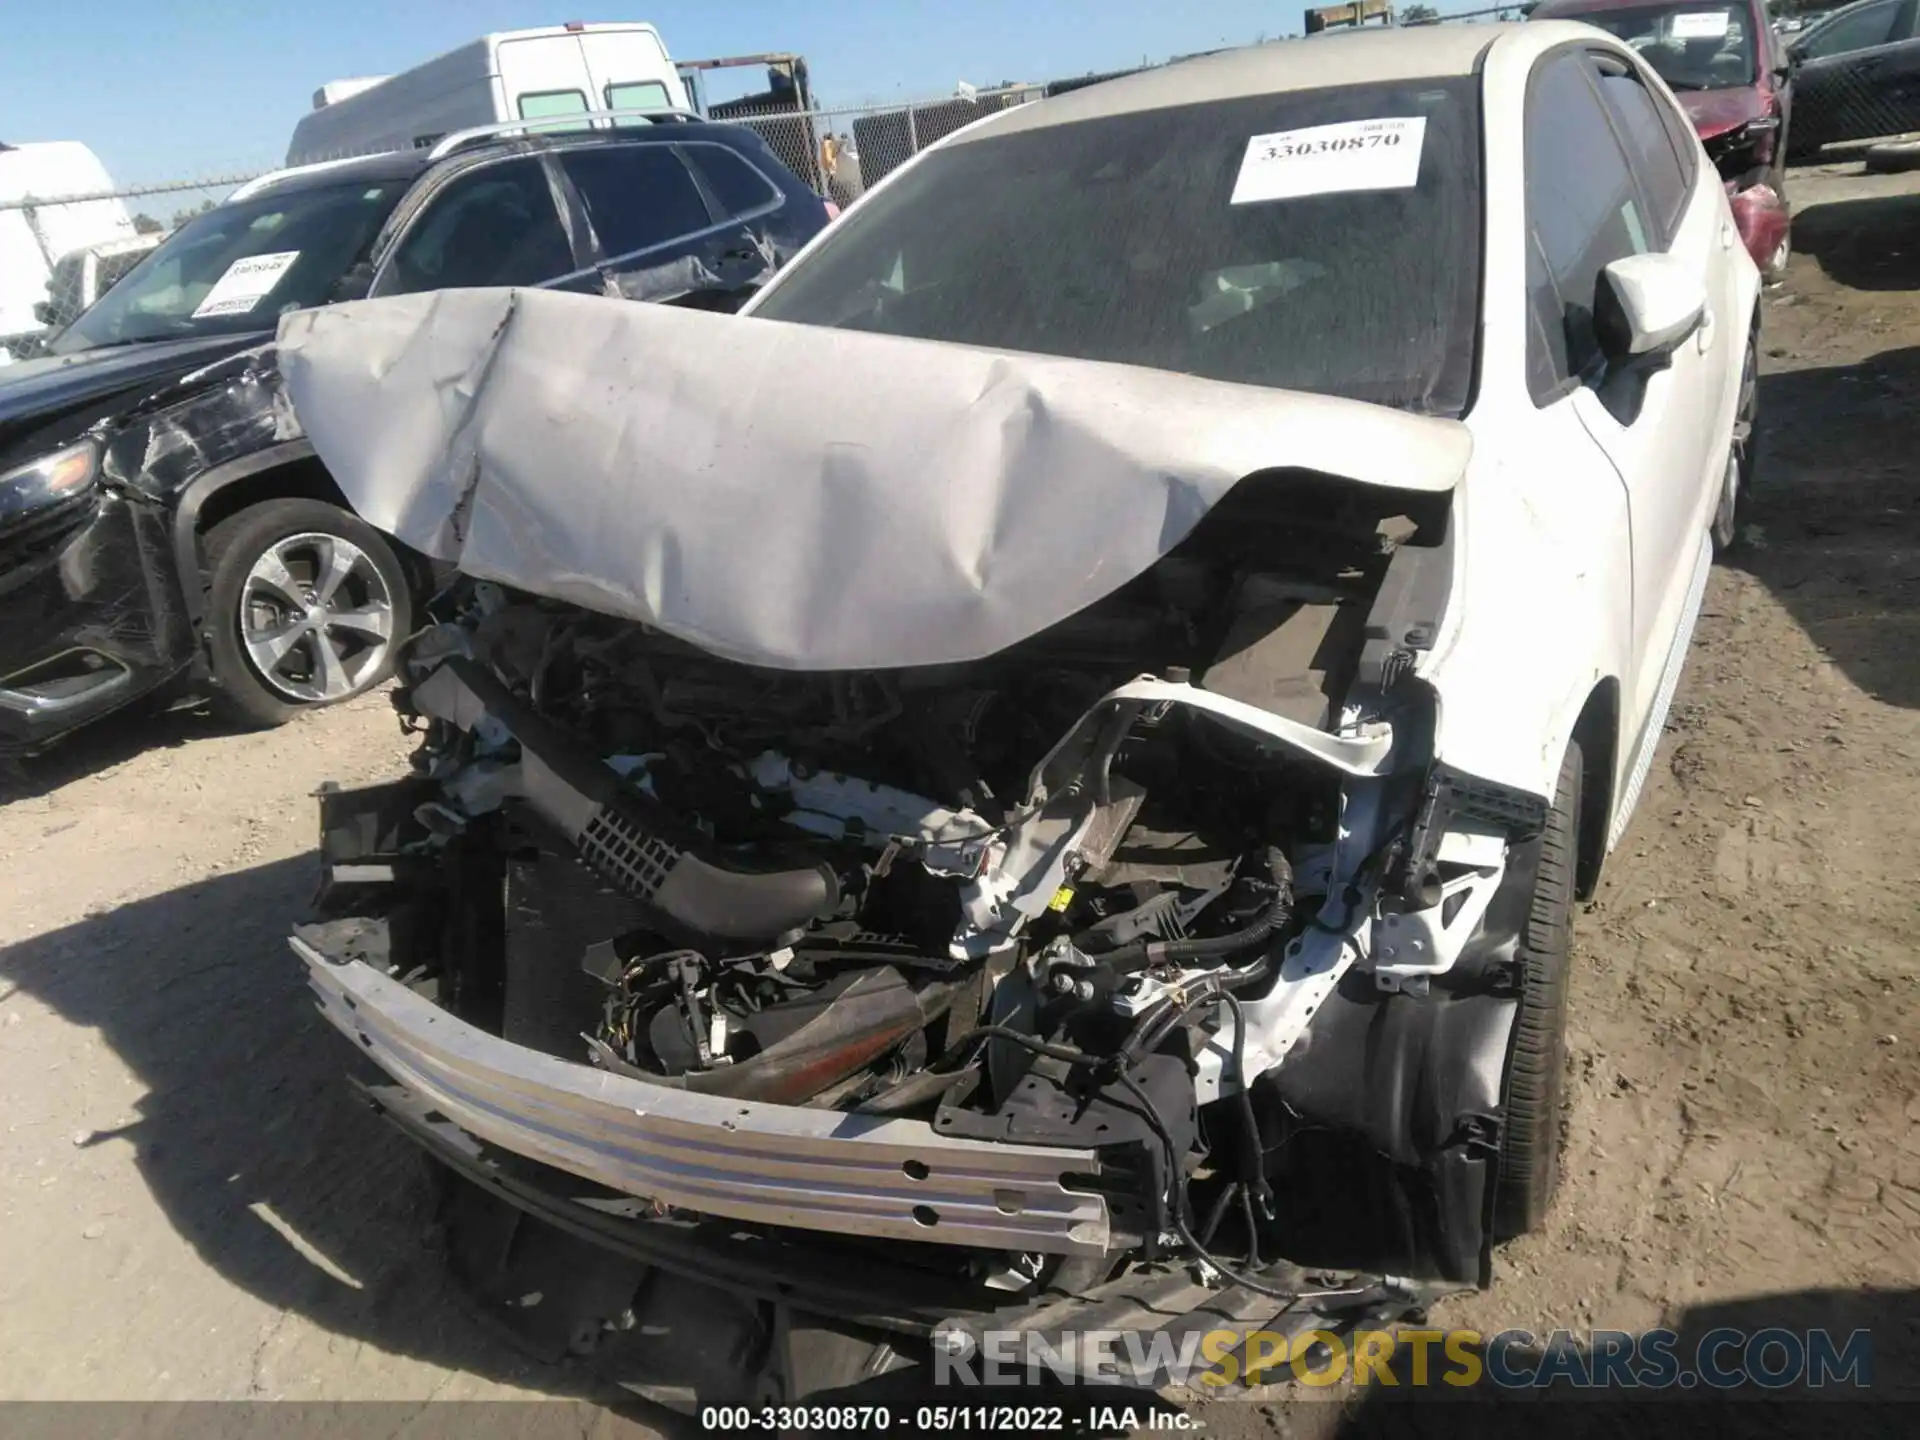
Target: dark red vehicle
{"points": [[1728, 72]]}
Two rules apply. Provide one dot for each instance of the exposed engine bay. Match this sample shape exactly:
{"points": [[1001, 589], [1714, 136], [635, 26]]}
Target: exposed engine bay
{"points": [[1139, 886]]}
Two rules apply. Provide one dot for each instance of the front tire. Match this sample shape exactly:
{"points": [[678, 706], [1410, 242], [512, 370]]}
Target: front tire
{"points": [[1741, 463], [1536, 1061], [305, 608]]}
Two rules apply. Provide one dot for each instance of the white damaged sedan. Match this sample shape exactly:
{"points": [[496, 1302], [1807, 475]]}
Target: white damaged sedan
{"points": [[1038, 776]]}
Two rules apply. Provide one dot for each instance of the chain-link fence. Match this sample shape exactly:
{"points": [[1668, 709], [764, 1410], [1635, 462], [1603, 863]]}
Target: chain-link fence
{"points": [[842, 151], [80, 244], [1411, 15]]}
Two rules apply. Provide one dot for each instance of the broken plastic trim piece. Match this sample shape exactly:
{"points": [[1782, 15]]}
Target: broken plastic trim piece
{"points": [[1365, 754]]}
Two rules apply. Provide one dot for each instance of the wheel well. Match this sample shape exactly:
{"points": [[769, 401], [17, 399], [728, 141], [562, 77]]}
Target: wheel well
{"points": [[305, 479], [1598, 731], [302, 479]]}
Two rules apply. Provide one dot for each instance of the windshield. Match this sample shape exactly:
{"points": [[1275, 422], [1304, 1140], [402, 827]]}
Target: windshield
{"points": [[1325, 241], [1692, 47], [236, 268]]}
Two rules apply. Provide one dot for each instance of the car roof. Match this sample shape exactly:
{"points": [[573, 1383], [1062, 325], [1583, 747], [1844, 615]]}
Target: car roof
{"points": [[1357, 57], [1562, 9], [406, 164], [388, 165]]}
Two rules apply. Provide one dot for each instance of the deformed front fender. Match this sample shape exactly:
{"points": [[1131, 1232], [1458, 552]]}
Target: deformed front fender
{"points": [[188, 553], [232, 423], [1541, 611]]}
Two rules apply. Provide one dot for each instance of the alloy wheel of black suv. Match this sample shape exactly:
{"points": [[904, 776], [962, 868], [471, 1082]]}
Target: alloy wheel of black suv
{"points": [[306, 607]]}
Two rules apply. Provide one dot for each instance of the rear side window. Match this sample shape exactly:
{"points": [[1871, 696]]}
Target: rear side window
{"points": [[1583, 212], [736, 184], [1637, 117], [638, 95], [539, 104], [637, 196]]}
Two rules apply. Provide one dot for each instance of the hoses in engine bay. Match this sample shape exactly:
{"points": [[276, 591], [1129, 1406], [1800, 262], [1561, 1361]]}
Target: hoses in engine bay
{"points": [[625, 835], [1139, 954]]}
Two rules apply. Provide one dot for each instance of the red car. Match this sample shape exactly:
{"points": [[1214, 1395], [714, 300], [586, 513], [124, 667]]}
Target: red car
{"points": [[1725, 67]]}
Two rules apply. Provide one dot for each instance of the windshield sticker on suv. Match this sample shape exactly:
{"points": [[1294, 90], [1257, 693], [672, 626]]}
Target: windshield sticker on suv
{"points": [[1704, 25], [1330, 159], [248, 281]]}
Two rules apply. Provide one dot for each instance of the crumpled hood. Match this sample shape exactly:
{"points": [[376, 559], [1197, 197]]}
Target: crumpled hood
{"points": [[1714, 112], [792, 496]]}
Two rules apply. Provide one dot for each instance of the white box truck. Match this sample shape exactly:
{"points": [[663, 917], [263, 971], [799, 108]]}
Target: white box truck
{"points": [[34, 236], [512, 75]]}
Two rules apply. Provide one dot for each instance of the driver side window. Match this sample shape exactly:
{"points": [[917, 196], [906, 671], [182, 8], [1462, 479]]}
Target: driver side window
{"points": [[493, 226], [1584, 211]]}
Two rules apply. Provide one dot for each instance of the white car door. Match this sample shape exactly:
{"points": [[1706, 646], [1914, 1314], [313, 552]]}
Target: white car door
{"points": [[1604, 181], [1680, 182]]}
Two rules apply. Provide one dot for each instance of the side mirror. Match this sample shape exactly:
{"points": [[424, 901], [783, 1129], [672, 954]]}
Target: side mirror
{"points": [[1647, 305]]}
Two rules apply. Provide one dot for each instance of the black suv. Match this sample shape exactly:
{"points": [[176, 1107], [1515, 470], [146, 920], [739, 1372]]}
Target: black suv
{"points": [[161, 515]]}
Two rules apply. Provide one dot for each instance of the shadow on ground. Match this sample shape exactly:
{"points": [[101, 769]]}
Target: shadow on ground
{"points": [[248, 1136], [1866, 244], [147, 724], [250, 1140], [1834, 520]]}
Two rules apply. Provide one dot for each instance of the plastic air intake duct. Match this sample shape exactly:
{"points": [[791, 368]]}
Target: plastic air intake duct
{"points": [[627, 837]]}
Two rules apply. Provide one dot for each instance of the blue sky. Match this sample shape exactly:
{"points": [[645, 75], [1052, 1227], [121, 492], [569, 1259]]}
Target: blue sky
{"points": [[176, 88]]}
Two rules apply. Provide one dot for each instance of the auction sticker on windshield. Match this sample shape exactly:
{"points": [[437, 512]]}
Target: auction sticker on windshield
{"points": [[248, 281], [1328, 159], [1705, 25]]}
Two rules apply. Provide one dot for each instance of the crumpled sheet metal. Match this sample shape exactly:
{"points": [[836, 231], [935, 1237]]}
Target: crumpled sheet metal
{"points": [[165, 443], [792, 496]]}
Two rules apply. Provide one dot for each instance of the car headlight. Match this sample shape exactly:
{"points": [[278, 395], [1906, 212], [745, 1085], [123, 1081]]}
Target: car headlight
{"points": [[58, 475]]}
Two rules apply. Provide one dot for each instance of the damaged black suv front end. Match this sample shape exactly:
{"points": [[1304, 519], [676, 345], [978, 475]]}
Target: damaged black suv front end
{"points": [[93, 450], [1142, 976]]}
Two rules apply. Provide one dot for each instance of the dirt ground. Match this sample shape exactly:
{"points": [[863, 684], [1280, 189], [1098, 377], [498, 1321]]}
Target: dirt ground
{"points": [[193, 1208]]}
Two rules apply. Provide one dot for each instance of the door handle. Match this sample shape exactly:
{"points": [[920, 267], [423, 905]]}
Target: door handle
{"points": [[1705, 333], [1726, 236]]}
